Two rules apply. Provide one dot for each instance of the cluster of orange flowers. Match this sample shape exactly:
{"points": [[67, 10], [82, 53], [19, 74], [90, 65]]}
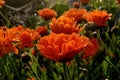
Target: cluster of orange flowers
{"points": [[64, 42], [2, 2], [97, 16], [12, 39]]}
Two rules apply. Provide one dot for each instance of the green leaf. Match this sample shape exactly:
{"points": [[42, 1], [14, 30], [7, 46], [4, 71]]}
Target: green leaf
{"points": [[109, 61], [54, 75], [105, 65], [60, 8], [32, 22]]}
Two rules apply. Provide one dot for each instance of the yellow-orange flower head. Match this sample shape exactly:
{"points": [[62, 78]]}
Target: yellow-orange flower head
{"points": [[98, 17], [47, 13], [61, 47], [64, 25]]}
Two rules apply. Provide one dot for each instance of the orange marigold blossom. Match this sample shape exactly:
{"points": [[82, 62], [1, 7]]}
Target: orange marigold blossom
{"points": [[98, 17], [33, 33], [17, 30], [61, 47], [47, 13], [42, 30], [6, 46], [75, 13], [64, 25], [91, 49], [2, 2], [84, 1], [25, 37], [26, 40]]}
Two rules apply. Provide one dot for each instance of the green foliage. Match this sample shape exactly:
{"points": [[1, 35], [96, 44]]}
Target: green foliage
{"points": [[60, 8]]}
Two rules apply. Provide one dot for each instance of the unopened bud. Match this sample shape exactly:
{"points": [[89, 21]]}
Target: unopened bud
{"points": [[76, 4]]}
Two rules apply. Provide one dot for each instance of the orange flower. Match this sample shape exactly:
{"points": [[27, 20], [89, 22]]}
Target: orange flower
{"points": [[26, 40], [84, 1], [92, 48], [61, 47], [24, 37], [98, 17], [64, 25], [17, 31], [2, 2], [33, 33], [47, 13], [42, 30], [75, 13], [118, 1], [6, 46], [18, 28]]}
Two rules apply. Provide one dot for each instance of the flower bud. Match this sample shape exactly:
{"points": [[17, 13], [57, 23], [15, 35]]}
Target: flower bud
{"points": [[25, 57], [76, 4], [84, 2], [90, 26]]}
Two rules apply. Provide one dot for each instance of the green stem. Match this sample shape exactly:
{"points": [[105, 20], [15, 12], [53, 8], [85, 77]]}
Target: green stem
{"points": [[7, 20], [111, 64], [78, 71], [106, 50], [15, 67], [78, 65], [7, 71], [66, 75], [100, 39], [6, 68], [34, 64], [106, 4]]}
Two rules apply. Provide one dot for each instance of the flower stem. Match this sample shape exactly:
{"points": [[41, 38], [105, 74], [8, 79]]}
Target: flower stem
{"points": [[66, 76], [7, 20]]}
